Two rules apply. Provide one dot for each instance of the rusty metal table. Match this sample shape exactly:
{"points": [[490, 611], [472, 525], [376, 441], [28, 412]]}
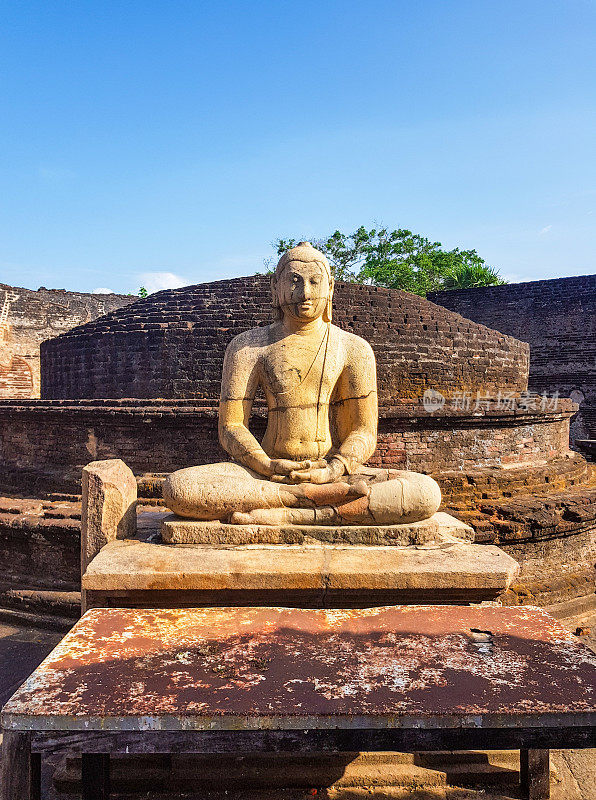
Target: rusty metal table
{"points": [[212, 680]]}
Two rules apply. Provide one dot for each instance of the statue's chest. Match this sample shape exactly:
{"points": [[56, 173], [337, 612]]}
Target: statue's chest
{"points": [[296, 370]]}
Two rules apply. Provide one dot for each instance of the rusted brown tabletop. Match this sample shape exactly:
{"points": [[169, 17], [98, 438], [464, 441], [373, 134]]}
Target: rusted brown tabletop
{"points": [[391, 678]]}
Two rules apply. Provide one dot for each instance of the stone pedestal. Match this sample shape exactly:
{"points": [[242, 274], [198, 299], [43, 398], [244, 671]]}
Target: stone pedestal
{"points": [[314, 574], [440, 527]]}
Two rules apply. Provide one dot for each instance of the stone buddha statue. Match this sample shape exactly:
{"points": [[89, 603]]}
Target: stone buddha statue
{"points": [[321, 391]]}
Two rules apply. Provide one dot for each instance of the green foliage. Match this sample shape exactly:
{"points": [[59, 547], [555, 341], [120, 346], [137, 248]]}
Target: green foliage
{"points": [[400, 259], [467, 276], [143, 292]]}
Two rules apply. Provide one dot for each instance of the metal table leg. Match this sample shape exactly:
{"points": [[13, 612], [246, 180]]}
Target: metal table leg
{"points": [[95, 776], [20, 776], [534, 774]]}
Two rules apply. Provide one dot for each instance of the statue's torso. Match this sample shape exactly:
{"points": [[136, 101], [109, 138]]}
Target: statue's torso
{"points": [[298, 375]]}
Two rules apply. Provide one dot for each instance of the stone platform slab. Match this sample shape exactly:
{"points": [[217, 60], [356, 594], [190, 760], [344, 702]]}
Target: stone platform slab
{"points": [[279, 680], [133, 572], [440, 527], [265, 669]]}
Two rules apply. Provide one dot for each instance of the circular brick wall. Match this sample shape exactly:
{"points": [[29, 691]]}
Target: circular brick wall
{"points": [[171, 344], [44, 444]]}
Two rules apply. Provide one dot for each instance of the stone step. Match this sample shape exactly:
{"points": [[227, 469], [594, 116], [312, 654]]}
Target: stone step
{"points": [[358, 772]]}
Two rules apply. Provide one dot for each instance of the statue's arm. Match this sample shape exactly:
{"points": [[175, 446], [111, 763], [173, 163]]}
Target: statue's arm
{"points": [[356, 406], [239, 383]]}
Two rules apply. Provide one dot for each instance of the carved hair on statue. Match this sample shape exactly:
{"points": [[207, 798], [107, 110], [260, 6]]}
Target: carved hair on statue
{"points": [[304, 251]]}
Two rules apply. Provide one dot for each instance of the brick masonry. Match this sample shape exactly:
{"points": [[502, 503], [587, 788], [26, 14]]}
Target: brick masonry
{"points": [[32, 316], [171, 345], [45, 444], [558, 319]]}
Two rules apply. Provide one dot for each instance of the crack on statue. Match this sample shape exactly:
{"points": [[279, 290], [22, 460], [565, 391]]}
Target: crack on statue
{"points": [[355, 397], [304, 406]]}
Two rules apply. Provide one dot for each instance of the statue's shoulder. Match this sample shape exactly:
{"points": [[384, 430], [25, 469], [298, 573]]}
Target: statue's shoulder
{"points": [[355, 346], [252, 338]]}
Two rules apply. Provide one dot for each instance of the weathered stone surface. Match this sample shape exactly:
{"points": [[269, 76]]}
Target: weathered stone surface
{"points": [[108, 506], [466, 489], [134, 565], [439, 527], [40, 552], [539, 516]]}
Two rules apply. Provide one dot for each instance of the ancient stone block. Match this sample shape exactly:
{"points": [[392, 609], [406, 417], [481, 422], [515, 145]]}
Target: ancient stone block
{"points": [[109, 506], [319, 574], [28, 317]]}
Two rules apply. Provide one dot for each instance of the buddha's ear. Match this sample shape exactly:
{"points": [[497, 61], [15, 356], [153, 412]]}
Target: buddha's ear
{"points": [[274, 299]]}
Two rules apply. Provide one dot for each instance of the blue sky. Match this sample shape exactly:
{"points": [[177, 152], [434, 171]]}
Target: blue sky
{"points": [[167, 143]]}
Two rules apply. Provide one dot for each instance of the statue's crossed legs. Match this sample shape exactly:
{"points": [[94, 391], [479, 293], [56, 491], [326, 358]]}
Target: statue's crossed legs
{"points": [[232, 493]]}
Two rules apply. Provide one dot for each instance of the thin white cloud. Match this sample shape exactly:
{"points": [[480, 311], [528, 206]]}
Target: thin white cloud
{"points": [[102, 290], [156, 281], [544, 230]]}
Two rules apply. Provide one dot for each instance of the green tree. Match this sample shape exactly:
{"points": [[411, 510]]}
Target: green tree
{"points": [[143, 292], [400, 259], [468, 276]]}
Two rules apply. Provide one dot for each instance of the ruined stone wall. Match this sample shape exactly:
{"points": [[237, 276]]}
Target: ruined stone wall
{"points": [[32, 316], [172, 344], [40, 551], [558, 319], [45, 444]]}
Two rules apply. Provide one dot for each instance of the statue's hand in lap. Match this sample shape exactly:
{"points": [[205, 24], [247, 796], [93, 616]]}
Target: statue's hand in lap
{"points": [[318, 472], [284, 469]]}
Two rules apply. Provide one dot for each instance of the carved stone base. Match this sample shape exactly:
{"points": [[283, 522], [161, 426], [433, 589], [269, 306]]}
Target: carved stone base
{"points": [[440, 527]]}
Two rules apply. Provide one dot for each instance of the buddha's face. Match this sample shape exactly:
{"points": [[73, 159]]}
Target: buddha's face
{"points": [[303, 290]]}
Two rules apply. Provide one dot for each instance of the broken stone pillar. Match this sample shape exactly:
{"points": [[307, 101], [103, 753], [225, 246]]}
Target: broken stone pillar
{"points": [[109, 506]]}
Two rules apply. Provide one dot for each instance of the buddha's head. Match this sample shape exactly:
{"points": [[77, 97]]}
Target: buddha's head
{"points": [[302, 285]]}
